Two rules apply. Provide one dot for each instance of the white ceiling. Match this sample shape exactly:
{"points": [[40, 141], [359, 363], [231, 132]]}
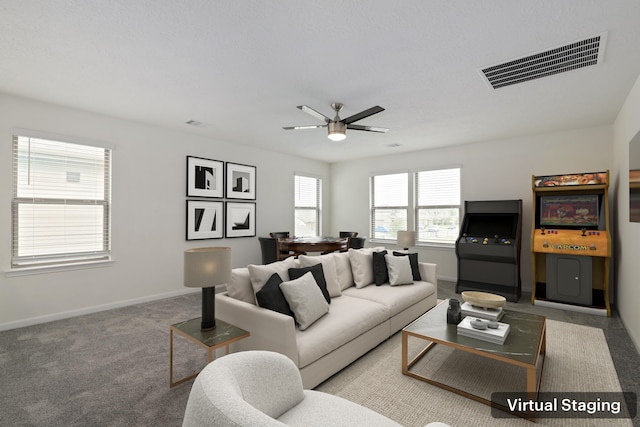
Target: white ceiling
{"points": [[242, 66]]}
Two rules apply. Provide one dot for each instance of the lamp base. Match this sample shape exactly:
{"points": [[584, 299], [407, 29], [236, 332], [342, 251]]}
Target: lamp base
{"points": [[208, 309]]}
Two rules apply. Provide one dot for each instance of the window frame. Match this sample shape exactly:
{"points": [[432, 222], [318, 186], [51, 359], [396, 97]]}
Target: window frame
{"points": [[317, 208], [418, 207], [60, 260], [373, 207], [412, 208]]}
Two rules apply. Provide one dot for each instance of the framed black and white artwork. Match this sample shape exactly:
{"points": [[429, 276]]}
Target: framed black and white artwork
{"points": [[241, 219], [205, 219], [241, 181], [205, 177]]}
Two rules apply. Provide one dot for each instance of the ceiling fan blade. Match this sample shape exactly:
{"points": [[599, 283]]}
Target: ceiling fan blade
{"points": [[304, 127], [363, 114], [368, 128], [314, 113]]}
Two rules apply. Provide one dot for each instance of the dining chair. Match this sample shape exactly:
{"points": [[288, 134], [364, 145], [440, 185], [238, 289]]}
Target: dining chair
{"points": [[279, 234], [348, 234], [284, 253], [356, 242], [268, 249]]}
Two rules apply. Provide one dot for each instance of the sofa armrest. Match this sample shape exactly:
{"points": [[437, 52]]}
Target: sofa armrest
{"points": [[270, 330], [428, 272]]}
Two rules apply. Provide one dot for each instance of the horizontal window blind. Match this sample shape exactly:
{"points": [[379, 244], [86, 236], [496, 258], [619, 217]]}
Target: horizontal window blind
{"points": [[437, 196], [438, 187], [389, 205], [61, 202], [307, 212]]}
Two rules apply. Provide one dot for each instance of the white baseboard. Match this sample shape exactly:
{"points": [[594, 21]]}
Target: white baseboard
{"points": [[93, 309]]}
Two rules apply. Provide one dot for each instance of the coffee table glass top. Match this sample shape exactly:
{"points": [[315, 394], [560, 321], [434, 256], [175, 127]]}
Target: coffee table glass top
{"points": [[521, 345]]}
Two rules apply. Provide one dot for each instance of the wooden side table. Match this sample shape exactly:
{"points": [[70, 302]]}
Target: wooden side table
{"points": [[221, 336]]}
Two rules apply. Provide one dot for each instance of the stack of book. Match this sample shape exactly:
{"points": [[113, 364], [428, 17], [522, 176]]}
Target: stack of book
{"points": [[483, 313], [496, 336]]}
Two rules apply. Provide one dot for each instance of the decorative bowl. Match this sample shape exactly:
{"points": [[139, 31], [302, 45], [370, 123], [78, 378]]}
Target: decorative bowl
{"points": [[483, 299]]}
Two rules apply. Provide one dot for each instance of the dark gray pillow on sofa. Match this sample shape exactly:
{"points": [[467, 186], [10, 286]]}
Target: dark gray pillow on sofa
{"points": [[271, 297], [413, 260], [318, 273], [380, 271]]}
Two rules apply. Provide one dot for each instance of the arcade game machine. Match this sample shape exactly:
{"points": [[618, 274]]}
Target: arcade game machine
{"points": [[488, 248], [571, 243]]}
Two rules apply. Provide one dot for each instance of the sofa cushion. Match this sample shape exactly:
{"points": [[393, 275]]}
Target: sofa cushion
{"points": [[330, 271], [239, 287], [261, 273], [343, 268], [399, 269], [318, 274], [413, 259], [395, 298], [271, 296], [305, 299], [380, 271], [349, 318]]}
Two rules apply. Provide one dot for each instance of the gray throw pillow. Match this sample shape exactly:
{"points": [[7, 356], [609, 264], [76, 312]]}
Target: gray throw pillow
{"points": [[305, 300]]}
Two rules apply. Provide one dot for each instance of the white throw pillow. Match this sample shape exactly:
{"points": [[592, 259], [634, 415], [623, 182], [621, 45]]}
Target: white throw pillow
{"points": [[399, 268], [240, 286], [361, 267], [328, 268], [261, 273], [305, 300], [343, 268]]}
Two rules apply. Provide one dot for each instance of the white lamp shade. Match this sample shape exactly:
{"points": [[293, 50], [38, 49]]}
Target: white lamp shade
{"points": [[207, 267], [406, 238]]}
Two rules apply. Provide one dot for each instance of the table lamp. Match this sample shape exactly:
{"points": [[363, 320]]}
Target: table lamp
{"points": [[205, 268], [406, 239]]}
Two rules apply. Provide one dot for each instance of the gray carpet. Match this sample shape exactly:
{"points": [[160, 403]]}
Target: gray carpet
{"points": [[104, 369], [112, 368]]}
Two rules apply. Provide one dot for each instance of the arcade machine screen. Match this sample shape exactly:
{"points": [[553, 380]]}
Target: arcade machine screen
{"points": [[569, 211]]}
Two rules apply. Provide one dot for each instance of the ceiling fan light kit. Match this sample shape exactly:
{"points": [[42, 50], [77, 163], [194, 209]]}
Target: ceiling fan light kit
{"points": [[337, 127], [337, 131]]}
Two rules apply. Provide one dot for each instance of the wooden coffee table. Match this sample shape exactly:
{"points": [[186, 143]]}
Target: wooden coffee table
{"points": [[525, 346]]}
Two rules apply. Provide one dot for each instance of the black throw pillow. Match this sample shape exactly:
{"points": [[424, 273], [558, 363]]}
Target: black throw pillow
{"points": [[318, 274], [271, 297], [380, 271], [413, 260]]}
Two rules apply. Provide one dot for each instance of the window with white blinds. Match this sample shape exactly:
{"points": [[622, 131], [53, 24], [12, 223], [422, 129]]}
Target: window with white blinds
{"points": [[307, 206], [61, 202], [425, 201], [389, 205], [437, 195]]}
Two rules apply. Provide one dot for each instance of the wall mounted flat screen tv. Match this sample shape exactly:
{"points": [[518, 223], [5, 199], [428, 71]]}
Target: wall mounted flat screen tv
{"points": [[569, 211]]}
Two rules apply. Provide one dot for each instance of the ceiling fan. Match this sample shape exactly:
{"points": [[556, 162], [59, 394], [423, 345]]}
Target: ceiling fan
{"points": [[338, 127]]}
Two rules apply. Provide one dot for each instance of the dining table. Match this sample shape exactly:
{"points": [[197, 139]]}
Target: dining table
{"points": [[323, 245]]}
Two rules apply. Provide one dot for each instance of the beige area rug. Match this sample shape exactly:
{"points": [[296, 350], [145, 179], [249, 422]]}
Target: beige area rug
{"points": [[577, 359]]}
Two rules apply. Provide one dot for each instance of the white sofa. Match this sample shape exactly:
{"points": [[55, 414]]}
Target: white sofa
{"points": [[261, 388], [361, 315]]}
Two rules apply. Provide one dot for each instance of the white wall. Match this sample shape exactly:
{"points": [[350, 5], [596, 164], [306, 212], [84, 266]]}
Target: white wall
{"points": [[148, 216], [496, 170], [626, 127]]}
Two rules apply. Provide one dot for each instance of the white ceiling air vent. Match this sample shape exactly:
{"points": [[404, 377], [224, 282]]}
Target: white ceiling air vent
{"points": [[582, 53]]}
